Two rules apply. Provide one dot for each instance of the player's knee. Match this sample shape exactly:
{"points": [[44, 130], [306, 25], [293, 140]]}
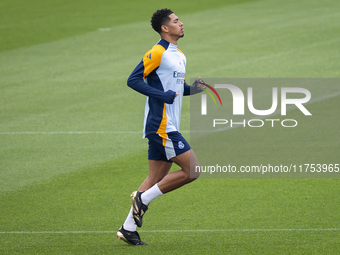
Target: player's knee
{"points": [[192, 174], [195, 168], [195, 172]]}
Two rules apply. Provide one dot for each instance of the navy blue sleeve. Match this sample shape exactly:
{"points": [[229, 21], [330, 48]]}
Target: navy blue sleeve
{"points": [[190, 90], [136, 82]]}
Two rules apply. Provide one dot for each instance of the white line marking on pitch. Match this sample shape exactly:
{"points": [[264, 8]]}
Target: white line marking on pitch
{"points": [[70, 132], [242, 230], [178, 231]]}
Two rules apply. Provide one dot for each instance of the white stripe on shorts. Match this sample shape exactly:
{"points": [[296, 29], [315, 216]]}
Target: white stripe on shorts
{"points": [[169, 149]]}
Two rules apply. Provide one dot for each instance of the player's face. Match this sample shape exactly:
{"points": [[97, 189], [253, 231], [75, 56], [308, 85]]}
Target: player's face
{"points": [[175, 26]]}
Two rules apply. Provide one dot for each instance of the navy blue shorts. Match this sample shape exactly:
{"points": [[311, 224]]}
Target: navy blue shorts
{"points": [[166, 147]]}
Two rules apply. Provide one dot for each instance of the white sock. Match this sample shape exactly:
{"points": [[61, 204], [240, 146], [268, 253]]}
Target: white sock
{"points": [[129, 223], [151, 194]]}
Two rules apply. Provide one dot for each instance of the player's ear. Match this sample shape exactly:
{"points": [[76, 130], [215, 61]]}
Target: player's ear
{"points": [[164, 28]]}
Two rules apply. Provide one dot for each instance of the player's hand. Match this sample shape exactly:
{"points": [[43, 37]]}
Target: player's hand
{"points": [[169, 96], [199, 83]]}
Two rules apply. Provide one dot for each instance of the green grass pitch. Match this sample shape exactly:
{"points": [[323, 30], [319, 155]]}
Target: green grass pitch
{"points": [[71, 147]]}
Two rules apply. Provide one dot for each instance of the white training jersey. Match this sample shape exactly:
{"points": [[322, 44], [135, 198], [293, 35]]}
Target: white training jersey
{"points": [[162, 69]]}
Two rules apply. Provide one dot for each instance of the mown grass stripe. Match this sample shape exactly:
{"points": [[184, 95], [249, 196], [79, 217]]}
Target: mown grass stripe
{"points": [[176, 231]]}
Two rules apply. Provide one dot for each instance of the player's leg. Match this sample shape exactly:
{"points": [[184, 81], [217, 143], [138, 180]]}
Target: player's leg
{"points": [[189, 164], [157, 170], [171, 181], [149, 189], [176, 148], [173, 148]]}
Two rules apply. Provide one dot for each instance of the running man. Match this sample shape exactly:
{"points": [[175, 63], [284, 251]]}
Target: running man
{"points": [[161, 77]]}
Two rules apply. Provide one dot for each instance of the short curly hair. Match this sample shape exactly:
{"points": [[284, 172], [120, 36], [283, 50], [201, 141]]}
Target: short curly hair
{"points": [[160, 18]]}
